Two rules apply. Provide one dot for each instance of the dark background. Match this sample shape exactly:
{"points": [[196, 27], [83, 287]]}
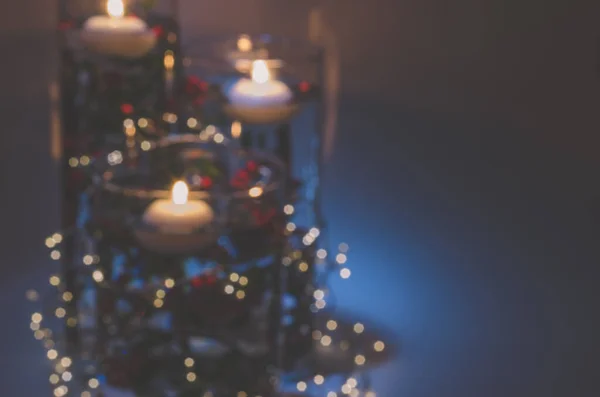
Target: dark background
{"points": [[463, 176]]}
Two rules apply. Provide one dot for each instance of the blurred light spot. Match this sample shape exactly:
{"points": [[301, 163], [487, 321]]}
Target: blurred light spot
{"points": [[345, 273], [192, 122], [32, 295], [331, 325], [301, 386], [60, 312], [236, 129], [98, 276], [244, 43], [255, 192], [360, 359], [145, 145]]}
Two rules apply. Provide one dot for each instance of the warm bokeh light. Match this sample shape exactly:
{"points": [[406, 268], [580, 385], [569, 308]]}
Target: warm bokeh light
{"points": [[192, 122], [180, 193], [244, 43], [98, 276], [236, 129], [379, 346], [115, 8], [169, 60], [219, 138], [326, 340], [52, 354], [260, 72], [36, 318], [255, 192], [331, 325], [360, 359]]}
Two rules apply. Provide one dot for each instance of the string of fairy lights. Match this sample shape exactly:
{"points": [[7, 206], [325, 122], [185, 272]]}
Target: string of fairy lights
{"points": [[62, 376]]}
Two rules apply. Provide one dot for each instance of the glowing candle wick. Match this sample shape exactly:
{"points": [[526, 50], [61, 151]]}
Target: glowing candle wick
{"points": [[115, 8], [180, 193]]}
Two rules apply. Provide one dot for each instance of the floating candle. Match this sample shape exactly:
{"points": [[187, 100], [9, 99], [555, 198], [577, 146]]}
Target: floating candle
{"points": [[179, 215], [116, 34], [260, 100], [259, 91]]}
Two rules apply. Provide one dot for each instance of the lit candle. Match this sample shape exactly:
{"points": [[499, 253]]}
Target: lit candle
{"points": [[117, 34], [260, 99], [178, 215], [260, 91]]}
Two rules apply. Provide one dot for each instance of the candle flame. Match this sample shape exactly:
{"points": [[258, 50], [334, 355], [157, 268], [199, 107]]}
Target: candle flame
{"points": [[180, 192], [260, 72], [115, 8]]}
